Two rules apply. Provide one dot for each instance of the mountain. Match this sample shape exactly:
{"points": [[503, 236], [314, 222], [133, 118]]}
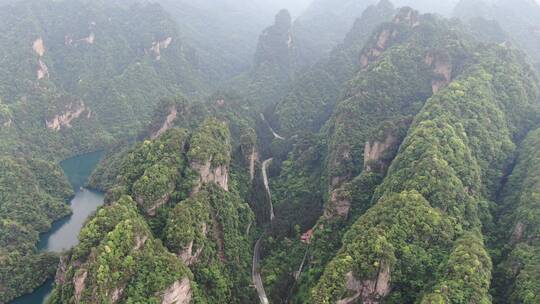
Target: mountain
{"points": [[520, 18], [191, 225], [410, 73], [516, 275], [360, 153], [33, 195], [323, 25], [432, 184], [77, 76], [443, 8], [90, 79], [273, 64], [226, 32], [313, 93]]}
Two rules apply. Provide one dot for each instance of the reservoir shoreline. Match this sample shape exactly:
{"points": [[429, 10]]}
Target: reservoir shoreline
{"points": [[64, 233]]}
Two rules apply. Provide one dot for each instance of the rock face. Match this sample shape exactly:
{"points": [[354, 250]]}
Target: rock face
{"points": [[518, 233], [157, 46], [63, 120], [39, 48], [167, 124], [116, 294], [406, 16], [276, 42], [368, 291], [90, 39], [187, 255], [78, 284], [178, 293], [442, 68], [140, 240], [151, 210], [60, 276], [373, 151], [253, 157], [339, 205], [8, 123], [343, 155], [373, 53], [211, 174], [43, 70]]}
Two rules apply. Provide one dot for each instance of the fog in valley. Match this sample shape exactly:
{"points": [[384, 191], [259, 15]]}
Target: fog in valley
{"points": [[270, 151]]}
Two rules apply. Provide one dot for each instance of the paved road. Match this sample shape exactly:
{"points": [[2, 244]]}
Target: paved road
{"points": [[255, 273], [257, 280], [271, 129], [267, 186]]}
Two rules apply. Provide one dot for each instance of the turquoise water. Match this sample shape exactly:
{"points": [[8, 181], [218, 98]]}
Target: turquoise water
{"points": [[79, 168], [63, 234]]}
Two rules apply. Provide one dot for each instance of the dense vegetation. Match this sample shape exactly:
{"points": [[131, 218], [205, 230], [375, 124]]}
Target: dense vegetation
{"points": [[518, 18], [454, 154], [118, 258], [400, 163], [377, 106], [108, 66], [516, 279], [172, 190], [33, 194], [313, 94]]}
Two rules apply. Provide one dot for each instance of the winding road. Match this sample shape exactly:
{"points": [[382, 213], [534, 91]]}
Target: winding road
{"points": [[255, 272], [271, 129], [267, 187], [257, 280]]}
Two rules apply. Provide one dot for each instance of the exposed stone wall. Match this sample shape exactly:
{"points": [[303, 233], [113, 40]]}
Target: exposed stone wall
{"points": [[63, 120]]}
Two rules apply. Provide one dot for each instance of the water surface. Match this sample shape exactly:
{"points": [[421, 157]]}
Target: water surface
{"points": [[64, 233]]}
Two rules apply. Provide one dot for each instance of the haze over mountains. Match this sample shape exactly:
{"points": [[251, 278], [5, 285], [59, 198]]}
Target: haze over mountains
{"points": [[356, 151]]}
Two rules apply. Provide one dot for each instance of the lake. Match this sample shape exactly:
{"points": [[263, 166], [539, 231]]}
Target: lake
{"points": [[63, 234]]}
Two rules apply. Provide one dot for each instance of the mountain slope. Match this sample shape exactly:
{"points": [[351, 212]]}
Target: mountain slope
{"points": [[314, 93], [519, 18], [452, 160], [176, 190], [100, 73], [33, 195], [516, 279]]}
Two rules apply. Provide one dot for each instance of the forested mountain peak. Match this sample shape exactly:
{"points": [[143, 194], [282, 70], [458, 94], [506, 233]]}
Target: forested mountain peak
{"points": [[519, 17], [248, 152], [313, 95], [276, 42]]}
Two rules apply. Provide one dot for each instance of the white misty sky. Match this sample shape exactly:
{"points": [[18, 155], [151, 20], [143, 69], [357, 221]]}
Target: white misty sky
{"points": [[296, 7]]}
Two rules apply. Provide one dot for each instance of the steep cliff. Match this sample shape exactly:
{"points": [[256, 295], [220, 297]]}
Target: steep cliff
{"points": [[119, 259], [34, 194], [451, 161], [78, 83], [516, 279], [518, 18], [313, 94], [174, 189], [273, 64]]}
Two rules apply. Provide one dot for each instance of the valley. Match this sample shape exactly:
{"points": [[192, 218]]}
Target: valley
{"points": [[64, 233], [358, 151]]}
